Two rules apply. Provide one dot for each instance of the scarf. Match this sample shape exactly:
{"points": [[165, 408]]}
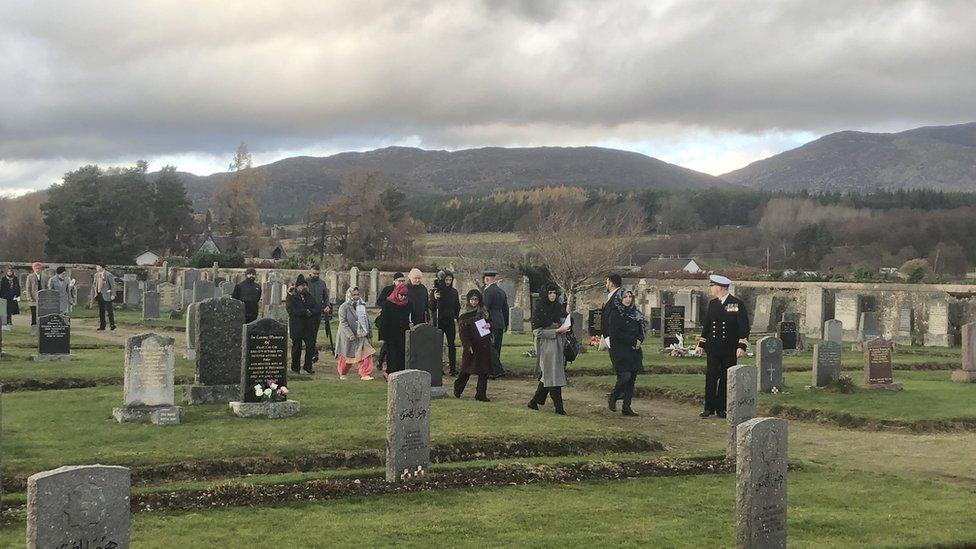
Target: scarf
{"points": [[630, 313], [472, 314], [398, 296], [547, 312]]}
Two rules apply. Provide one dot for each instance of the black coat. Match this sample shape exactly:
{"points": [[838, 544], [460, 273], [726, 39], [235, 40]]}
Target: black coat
{"points": [[417, 303], [394, 321], [301, 314], [496, 302], [9, 289], [448, 307], [725, 328], [605, 317], [624, 333], [247, 291]]}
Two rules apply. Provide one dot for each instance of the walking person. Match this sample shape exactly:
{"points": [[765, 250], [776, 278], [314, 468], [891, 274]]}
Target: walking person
{"points": [[35, 281], [549, 326], [319, 291], [394, 323], [10, 290], [64, 287], [248, 291], [445, 306], [626, 333], [104, 294], [496, 302], [301, 312], [476, 346], [613, 284], [417, 295], [725, 334], [355, 330]]}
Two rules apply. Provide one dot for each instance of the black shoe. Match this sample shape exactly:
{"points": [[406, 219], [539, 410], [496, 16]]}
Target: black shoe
{"points": [[630, 413], [457, 393], [113, 327], [294, 371], [720, 414], [309, 370], [705, 413], [611, 402], [561, 412], [533, 405], [482, 399], [102, 329]]}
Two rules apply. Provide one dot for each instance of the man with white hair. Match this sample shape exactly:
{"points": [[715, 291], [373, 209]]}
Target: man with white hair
{"points": [[725, 335], [418, 298]]}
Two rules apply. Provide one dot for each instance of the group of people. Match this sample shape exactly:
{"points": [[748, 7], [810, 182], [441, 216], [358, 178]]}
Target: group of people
{"points": [[103, 291]]}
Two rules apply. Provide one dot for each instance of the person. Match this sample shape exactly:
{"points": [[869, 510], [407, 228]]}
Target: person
{"points": [[249, 292], [496, 302], [394, 323], [64, 286], [625, 328], [104, 294], [613, 284], [725, 335], [301, 313], [35, 281], [549, 328], [380, 300], [417, 295], [319, 291], [10, 290], [445, 306], [354, 347], [476, 356]]}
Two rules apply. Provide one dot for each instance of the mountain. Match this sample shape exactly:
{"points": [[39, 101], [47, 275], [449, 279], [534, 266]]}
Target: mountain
{"points": [[932, 157], [295, 184]]}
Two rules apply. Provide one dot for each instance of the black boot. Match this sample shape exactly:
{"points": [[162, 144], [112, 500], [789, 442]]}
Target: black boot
{"points": [[628, 411], [482, 392], [612, 401], [557, 399], [459, 384], [539, 398]]}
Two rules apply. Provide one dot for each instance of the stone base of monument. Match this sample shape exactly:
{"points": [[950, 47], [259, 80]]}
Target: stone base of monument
{"points": [[5, 327], [438, 392], [964, 376], [270, 410], [210, 394], [158, 415], [884, 386], [53, 358], [936, 340], [190, 354]]}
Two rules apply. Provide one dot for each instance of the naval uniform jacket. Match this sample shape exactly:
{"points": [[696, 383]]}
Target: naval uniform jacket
{"points": [[725, 328]]}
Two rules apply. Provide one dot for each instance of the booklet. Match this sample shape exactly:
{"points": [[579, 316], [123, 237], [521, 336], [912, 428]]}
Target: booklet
{"points": [[567, 322], [482, 326]]}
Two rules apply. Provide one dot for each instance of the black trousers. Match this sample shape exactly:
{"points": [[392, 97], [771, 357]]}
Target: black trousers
{"points": [[715, 380], [250, 311], [396, 357], [296, 352], [481, 390], [450, 334], [381, 357], [541, 392], [624, 388], [34, 315], [496, 364], [315, 322], [103, 307]]}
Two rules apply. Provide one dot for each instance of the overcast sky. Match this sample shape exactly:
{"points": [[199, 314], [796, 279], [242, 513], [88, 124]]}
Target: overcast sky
{"points": [[711, 85]]}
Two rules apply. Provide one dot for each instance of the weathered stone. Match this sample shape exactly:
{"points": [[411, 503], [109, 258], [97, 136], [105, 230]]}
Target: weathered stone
{"points": [[4, 317], [847, 309], [226, 288], [150, 306], [48, 303], [53, 335], [937, 334], [132, 292], [264, 356], [740, 402], [516, 320], [968, 372], [149, 377], [769, 363], [191, 331], [870, 326], [270, 410], [218, 344], [424, 351], [833, 331], [826, 363], [762, 320], [78, 506], [166, 415], [682, 298], [202, 289], [760, 472], [190, 277], [83, 294], [905, 326], [814, 311], [877, 365], [408, 425], [374, 286]]}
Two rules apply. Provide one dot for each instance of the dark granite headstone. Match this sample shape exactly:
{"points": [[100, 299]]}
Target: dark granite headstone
{"points": [[594, 323], [788, 334], [656, 320], [218, 323], [871, 326], [53, 335], [673, 324], [424, 351], [150, 306], [877, 365], [826, 363], [264, 356], [769, 361]]}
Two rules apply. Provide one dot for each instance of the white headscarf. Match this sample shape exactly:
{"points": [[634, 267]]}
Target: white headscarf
{"points": [[362, 321]]}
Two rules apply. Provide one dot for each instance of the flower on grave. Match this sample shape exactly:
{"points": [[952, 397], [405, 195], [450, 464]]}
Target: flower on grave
{"points": [[405, 475], [258, 387], [775, 390], [267, 392], [420, 471], [283, 390], [258, 391], [280, 392], [274, 386]]}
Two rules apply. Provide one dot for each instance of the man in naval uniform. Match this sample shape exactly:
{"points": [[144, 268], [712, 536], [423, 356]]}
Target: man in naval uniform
{"points": [[725, 333]]}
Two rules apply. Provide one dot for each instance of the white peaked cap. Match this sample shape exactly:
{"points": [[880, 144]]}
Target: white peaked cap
{"points": [[720, 280]]}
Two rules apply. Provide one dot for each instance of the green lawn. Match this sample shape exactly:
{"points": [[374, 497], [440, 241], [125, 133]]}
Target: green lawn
{"points": [[133, 317]]}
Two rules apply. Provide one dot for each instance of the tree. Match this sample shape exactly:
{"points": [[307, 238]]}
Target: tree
{"points": [[235, 200], [810, 244], [171, 211]]}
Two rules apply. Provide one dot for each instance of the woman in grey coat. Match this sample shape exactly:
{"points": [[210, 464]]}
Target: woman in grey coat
{"points": [[63, 285], [353, 347], [550, 340]]}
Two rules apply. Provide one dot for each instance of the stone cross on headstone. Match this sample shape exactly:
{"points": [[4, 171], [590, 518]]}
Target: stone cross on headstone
{"points": [[149, 381], [424, 352], [769, 362], [218, 349], [740, 401], [826, 363], [79, 506], [968, 372], [408, 425], [760, 479]]}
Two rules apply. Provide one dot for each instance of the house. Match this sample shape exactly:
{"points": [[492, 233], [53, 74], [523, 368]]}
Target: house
{"points": [[147, 258], [253, 247], [671, 265]]}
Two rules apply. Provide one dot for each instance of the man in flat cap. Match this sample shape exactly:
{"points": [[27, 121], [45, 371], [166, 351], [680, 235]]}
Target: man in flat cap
{"points": [[725, 333], [496, 303]]}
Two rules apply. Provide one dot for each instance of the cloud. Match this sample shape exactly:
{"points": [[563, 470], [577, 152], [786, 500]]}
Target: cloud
{"points": [[95, 81]]}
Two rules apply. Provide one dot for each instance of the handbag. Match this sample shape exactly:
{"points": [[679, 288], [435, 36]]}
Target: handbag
{"points": [[571, 348]]}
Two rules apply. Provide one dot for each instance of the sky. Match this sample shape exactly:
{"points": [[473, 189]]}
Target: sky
{"points": [[711, 85]]}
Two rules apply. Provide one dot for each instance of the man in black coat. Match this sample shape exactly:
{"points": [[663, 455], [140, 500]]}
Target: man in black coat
{"points": [[417, 295], [445, 306], [302, 312], [725, 334], [613, 285], [319, 291], [496, 303], [249, 292]]}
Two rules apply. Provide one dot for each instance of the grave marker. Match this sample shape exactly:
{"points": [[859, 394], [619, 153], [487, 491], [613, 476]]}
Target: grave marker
{"points": [[191, 331], [740, 401], [149, 378], [167, 297], [834, 331], [264, 356], [877, 365], [202, 289], [789, 335], [594, 322], [674, 325], [424, 352], [218, 325], [769, 363], [516, 321], [826, 363], [760, 495], [53, 338], [48, 303], [150, 306], [968, 372], [408, 425]]}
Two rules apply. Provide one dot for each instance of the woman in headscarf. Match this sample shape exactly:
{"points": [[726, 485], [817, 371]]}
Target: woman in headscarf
{"points": [[476, 345], [547, 327], [354, 347], [394, 323], [64, 286], [10, 290], [626, 331]]}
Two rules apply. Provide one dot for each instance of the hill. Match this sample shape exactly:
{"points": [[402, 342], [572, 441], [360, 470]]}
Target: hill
{"points": [[932, 157]]}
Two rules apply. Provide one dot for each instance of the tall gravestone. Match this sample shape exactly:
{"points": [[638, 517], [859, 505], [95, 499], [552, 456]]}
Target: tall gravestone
{"points": [[84, 506], [264, 357], [760, 479], [83, 294], [168, 301], [833, 331], [48, 303], [149, 381], [226, 288], [516, 321], [374, 286], [132, 292], [656, 320], [826, 363], [191, 331], [408, 425], [740, 402], [937, 334], [424, 352], [877, 365], [968, 372], [150, 306], [53, 338], [789, 334], [218, 349], [190, 277], [763, 318], [203, 289], [847, 309], [905, 326], [870, 326], [673, 328], [769, 363], [579, 329], [4, 317]]}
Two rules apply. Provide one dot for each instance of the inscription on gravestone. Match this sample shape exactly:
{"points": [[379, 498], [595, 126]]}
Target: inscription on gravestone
{"points": [[674, 324], [788, 333], [408, 425], [826, 363], [877, 365], [594, 322], [53, 335], [760, 496], [265, 356], [769, 362], [740, 401]]}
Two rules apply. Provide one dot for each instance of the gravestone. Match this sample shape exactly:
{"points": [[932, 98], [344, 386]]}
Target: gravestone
{"points": [[264, 357], [4, 317], [48, 303], [82, 276], [826, 363], [132, 292], [594, 322], [516, 321], [656, 320], [150, 306], [83, 294], [53, 338], [870, 326], [760, 482], [968, 372], [847, 309], [906, 326], [578, 329], [226, 288], [149, 378], [877, 365], [332, 282], [191, 331], [167, 297], [266, 294], [150, 285], [354, 277], [740, 401], [673, 325], [407, 425], [374, 286], [937, 334], [683, 299], [833, 331], [769, 363], [190, 277], [202, 289], [218, 325], [789, 335], [424, 346], [763, 318], [84, 506]]}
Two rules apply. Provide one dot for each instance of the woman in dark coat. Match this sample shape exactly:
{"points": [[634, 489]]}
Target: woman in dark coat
{"points": [[476, 358], [549, 329], [10, 289], [302, 313], [626, 327], [393, 326]]}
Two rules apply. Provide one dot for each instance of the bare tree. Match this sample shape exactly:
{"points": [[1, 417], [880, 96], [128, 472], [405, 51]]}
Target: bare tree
{"points": [[580, 245]]}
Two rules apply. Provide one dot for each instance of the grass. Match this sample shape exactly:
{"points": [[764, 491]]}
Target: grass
{"points": [[133, 317]]}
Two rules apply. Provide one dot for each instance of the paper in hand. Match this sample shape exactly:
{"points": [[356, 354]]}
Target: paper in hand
{"points": [[482, 326]]}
